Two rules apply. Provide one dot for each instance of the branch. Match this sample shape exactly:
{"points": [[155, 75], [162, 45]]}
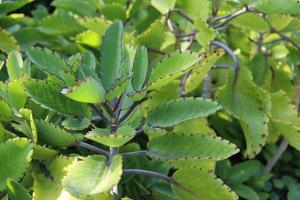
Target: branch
{"points": [[179, 12], [91, 147], [183, 83], [134, 153], [229, 17], [129, 111], [108, 109], [100, 113], [206, 91], [286, 38], [149, 173], [156, 51]]}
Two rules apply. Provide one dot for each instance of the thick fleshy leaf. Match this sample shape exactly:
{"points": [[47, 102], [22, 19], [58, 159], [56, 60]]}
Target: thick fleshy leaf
{"points": [[104, 136], [111, 54], [180, 110], [43, 153], [91, 176], [55, 136], [205, 33], [87, 91], [140, 68], [180, 147], [80, 7], [5, 111], [249, 104], [17, 153], [117, 89], [241, 172], [251, 22], [201, 69], [76, 123], [172, 67], [49, 96], [16, 94], [191, 186], [113, 11], [8, 6], [163, 6], [279, 6], [14, 65], [16, 191], [7, 42]]}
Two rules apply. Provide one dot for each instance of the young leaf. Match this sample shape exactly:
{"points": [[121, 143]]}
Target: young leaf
{"points": [[7, 42], [140, 68], [104, 136], [180, 110], [48, 95], [180, 147], [54, 136], [17, 153], [86, 91], [91, 176], [14, 64], [16, 191], [191, 185], [111, 54]]}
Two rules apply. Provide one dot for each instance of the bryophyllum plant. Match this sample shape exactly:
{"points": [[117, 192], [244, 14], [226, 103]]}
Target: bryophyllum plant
{"points": [[76, 120]]}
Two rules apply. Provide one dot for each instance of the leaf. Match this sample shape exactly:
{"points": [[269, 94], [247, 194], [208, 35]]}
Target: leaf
{"points": [[291, 7], [17, 153], [251, 21], [16, 191], [80, 7], [48, 95], [241, 172], [113, 11], [163, 6], [43, 153], [76, 123], [172, 67], [60, 25], [104, 136], [196, 8], [7, 42], [117, 89], [89, 38], [91, 176], [14, 64], [47, 61], [180, 110], [54, 136], [5, 111], [16, 94], [195, 127], [8, 6], [201, 69], [245, 192], [184, 146], [154, 36], [86, 91], [98, 24], [205, 33], [191, 186], [111, 51], [140, 68], [248, 104]]}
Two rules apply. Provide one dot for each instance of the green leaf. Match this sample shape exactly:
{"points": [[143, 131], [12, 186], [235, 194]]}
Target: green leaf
{"points": [[140, 68], [104, 136], [184, 146], [86, 91], [17, 153], [14, 64], [81, 7], [113, 11], [291, 7], [196, 8], [5, 111], [60, 25], [91, 176], [251, 22], [7, 42], [180, 110], [205, 33], [248, 103], [16, 94], [117, 89], [191, 186], [163, 6], [76, 123], [16, 191], [241, 172], [43, 153], [49, 96], [89, 38], [201, 69], [111, 51], [55, 136], [172, 67], [245, 192], [8, 6]]}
